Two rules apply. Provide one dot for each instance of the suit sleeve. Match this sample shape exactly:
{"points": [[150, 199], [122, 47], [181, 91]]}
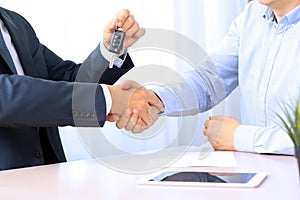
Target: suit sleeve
{"points": [[26, 101], [68, 95], [95, 69]]}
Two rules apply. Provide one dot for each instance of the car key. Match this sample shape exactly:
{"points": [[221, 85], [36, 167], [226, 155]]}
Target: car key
{"points": [[116, 43]]}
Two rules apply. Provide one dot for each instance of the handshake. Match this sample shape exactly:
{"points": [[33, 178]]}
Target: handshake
{"points": [[133, 107]]}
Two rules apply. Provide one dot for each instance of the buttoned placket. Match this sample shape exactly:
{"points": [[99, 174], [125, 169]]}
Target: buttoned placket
{"points": [[275, 40]]}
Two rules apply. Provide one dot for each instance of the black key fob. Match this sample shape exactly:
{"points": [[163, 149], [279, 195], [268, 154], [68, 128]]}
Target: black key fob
{"points": [[116, 43]]}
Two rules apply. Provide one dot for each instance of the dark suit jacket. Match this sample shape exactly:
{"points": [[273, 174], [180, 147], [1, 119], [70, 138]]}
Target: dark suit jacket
{"points": [[53, 92]]}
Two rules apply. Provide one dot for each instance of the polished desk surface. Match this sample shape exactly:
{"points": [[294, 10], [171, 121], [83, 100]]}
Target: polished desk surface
{"points": [[88, 179]]}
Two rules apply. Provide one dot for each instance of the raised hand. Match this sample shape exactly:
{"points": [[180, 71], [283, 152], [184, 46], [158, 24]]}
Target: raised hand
{"points": [[124, 21], [220, 132]]}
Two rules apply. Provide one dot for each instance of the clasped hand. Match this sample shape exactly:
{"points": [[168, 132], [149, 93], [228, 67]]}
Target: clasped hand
{"points": [[133, 106]]}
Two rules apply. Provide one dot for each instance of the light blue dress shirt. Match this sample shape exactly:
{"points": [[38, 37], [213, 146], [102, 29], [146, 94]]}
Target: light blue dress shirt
{"points": [[260, 56]]}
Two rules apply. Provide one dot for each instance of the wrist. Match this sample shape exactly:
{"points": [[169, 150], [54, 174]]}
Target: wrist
{"points": [[108, 98], [162, 107], [111, 90], [111, 57]]}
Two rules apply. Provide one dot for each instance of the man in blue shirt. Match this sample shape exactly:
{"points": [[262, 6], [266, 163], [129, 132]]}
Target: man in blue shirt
{"points": [[261, 55]]}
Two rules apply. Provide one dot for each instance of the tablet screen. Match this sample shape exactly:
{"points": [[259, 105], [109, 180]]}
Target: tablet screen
{"points": [[204, 177]]}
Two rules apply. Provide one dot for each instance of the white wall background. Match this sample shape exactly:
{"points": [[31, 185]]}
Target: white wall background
{"points": [[73, 28]]}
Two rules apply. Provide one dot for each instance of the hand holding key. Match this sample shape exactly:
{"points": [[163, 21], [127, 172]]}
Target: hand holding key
{"points": [[122, 22]]}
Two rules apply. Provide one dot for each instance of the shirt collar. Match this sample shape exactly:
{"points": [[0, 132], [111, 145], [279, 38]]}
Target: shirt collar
{"points": [[292, 17], [268, 14]]}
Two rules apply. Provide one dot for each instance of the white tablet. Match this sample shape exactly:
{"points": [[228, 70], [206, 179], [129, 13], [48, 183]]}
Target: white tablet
{"points": [[204, 178]]}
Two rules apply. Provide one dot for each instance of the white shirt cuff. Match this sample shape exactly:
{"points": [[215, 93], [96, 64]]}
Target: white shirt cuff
{"points": [[107, 96]]}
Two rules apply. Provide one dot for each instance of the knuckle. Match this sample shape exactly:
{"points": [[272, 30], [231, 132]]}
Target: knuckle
{"points": [[144, 102]]}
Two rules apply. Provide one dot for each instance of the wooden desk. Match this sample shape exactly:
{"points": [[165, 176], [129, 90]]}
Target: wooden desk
{"points": [[88, 179]]}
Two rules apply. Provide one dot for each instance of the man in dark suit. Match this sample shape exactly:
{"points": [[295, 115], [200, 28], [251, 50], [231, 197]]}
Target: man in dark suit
{"points": [[40, 91]]}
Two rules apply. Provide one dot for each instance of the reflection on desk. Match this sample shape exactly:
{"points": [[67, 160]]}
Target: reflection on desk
{"points": [[88, 179]]}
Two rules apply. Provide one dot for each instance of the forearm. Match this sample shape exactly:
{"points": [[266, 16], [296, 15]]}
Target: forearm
{"points": [[195, 91], [263, 140], [95, 68], [27, 102]]}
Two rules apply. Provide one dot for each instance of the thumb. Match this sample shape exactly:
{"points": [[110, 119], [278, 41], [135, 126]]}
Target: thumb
{"points": [[155, 101], [129, 84], [112, 118]]}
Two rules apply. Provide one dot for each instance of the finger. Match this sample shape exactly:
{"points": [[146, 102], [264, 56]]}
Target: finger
{"points": [[132, 36], [112, 118], [205, 131], [132, 30], [155, 101], [131, 33], [153, 112], [129, 23], [132, 121], [108, 32], [110, 27], [207, 123], [122, 16], [122, 122], [140, 126], [145, 116], [139, 33]]}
